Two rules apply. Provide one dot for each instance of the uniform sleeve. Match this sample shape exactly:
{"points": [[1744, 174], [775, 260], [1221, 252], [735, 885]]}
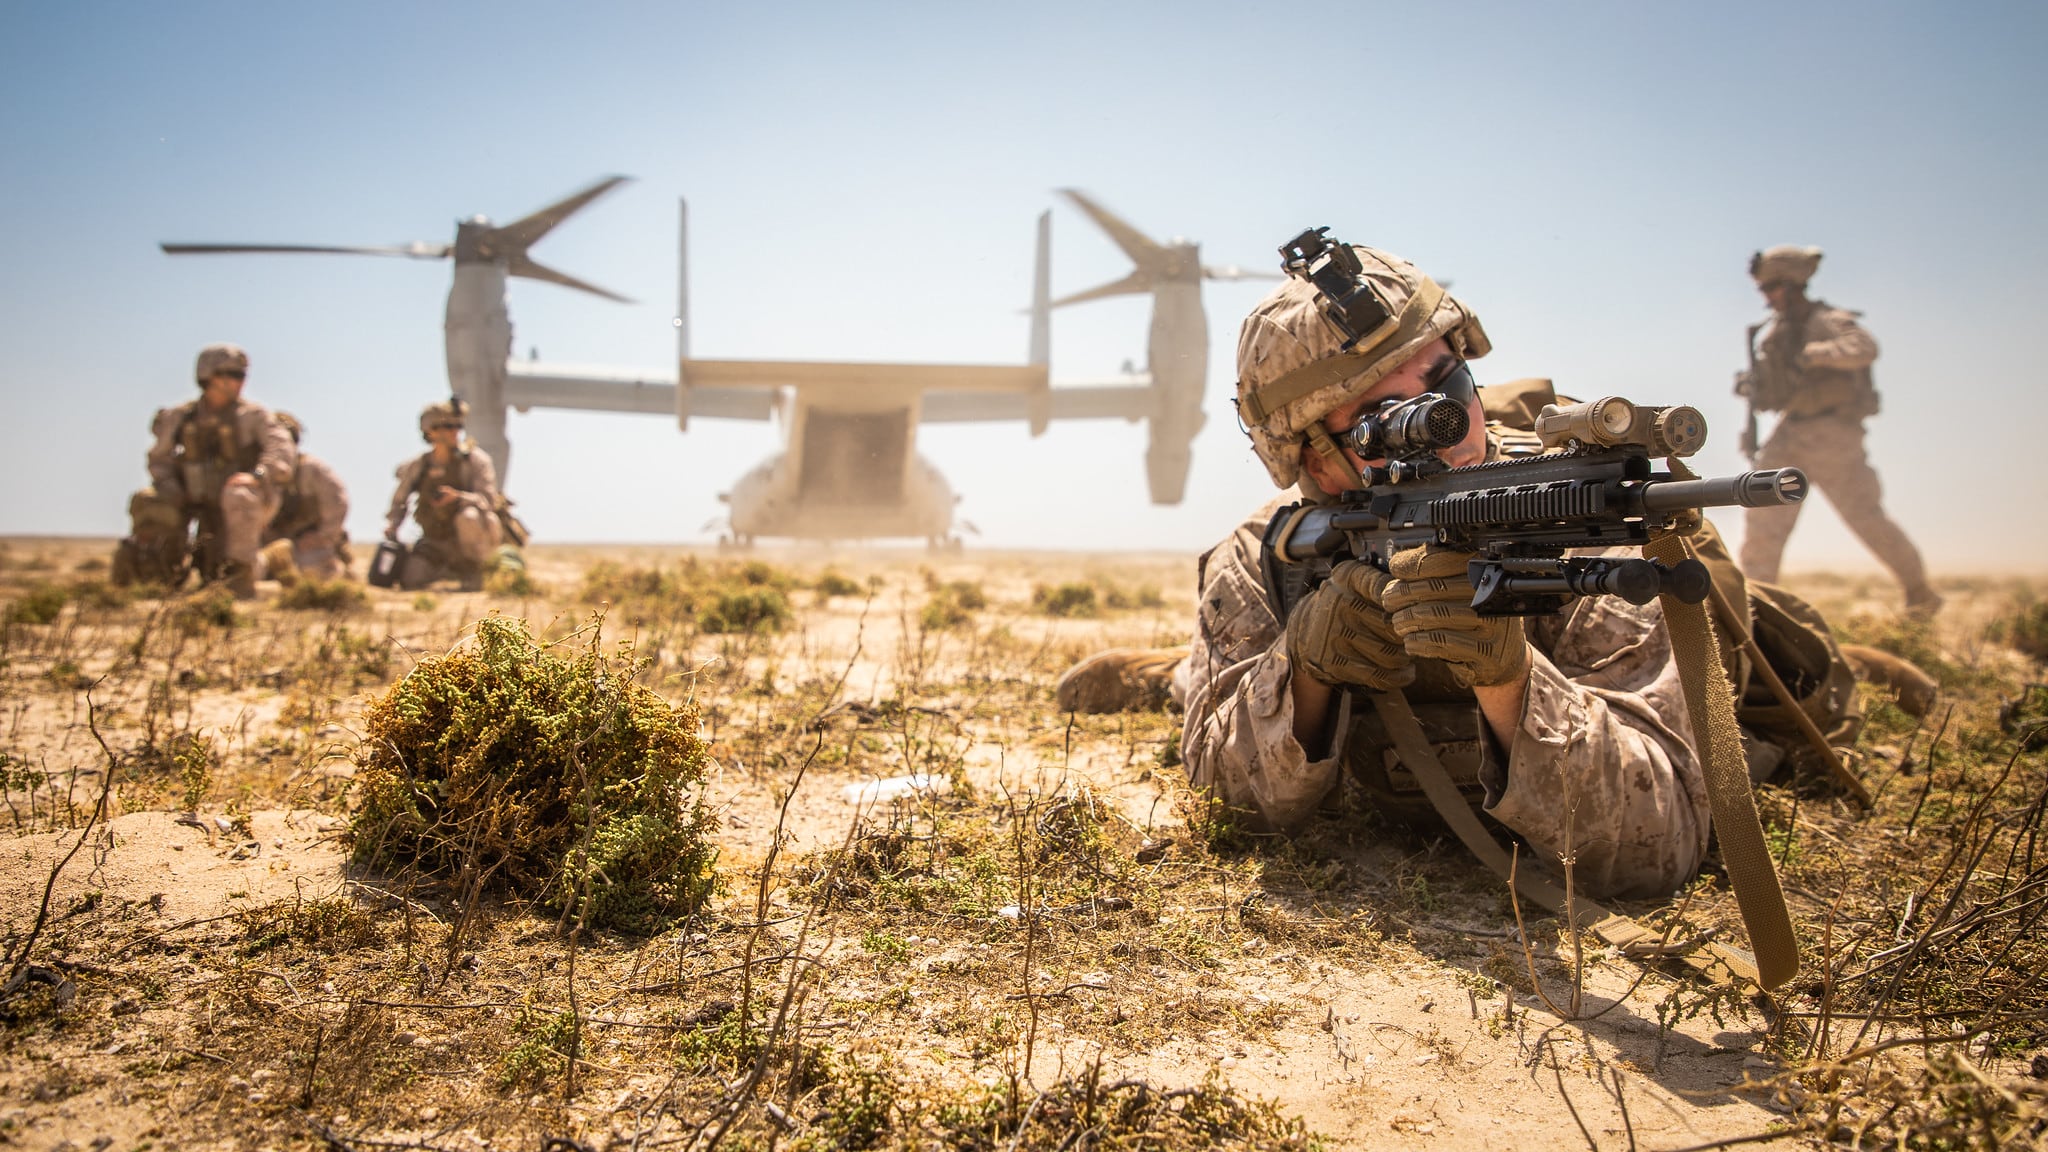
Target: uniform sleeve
{"points": [[163, 455], [1835, 340], [276, 454], [1601, 768], [329, 496], [408, 479], [483, 479], [1238, 736]]}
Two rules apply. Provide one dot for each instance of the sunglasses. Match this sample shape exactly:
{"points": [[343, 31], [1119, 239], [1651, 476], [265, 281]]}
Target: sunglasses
{"points": [[444, 427]]}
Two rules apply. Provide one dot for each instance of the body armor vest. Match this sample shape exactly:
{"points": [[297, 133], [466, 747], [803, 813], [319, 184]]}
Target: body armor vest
{"points": [[1806, 393], [210, 450], [438, 523]]}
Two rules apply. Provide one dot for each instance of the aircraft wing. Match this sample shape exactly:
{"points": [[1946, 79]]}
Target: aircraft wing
{"points": [[1128, 398], [856, 379], [595, 388]]}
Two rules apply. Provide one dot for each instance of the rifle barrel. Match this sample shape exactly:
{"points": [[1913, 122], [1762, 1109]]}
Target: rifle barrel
{"points": [[1767, 488]]}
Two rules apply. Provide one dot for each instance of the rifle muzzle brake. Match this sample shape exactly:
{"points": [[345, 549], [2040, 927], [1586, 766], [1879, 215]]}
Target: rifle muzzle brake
{"points": [[1768, 488]]}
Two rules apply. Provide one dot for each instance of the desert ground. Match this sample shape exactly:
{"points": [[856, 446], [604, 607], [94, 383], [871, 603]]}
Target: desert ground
{"points": [[939, 911]]}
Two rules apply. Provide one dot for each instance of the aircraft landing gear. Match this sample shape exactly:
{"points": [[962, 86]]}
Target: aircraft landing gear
{"points": [[736, 542], [946, 545]]}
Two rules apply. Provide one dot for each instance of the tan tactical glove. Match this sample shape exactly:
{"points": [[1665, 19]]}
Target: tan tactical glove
{"points": [[1341, 635], [1430, 601]]}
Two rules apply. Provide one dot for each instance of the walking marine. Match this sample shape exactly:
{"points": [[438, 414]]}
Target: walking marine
{"points": [[1812, 365], [220, 461]]}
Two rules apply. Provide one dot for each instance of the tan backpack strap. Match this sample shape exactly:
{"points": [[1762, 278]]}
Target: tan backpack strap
{"points": [[1260, 403], [1716, 962], [1718, 742]]}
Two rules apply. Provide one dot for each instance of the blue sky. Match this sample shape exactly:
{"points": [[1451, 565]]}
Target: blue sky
{"points": [[863, 181]]}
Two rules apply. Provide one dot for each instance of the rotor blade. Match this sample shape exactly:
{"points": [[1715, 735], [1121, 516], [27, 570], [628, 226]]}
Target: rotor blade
{"points": [[1139, 247], [415, 250], [1233, 272], [526, 231], [521, 265], [1137, 282]]}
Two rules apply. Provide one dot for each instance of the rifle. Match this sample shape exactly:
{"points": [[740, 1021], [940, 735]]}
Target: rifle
{"points": [[1746, 384], [1597, 489]]}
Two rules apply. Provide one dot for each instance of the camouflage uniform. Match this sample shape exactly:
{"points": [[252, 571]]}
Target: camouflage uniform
{"points": [[457, 539], [1605, 725], [312, 517], [1599, 763], [1813, 366], [195, 450]]}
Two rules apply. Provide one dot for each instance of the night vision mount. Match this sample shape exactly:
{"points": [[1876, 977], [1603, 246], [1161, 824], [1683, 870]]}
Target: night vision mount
{"points": [[1351, 301]]}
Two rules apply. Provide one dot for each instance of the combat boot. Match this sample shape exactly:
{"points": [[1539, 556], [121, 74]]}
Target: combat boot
{"points": [[240, 580], [1120, 680], [1923, 602], [278, 563]]}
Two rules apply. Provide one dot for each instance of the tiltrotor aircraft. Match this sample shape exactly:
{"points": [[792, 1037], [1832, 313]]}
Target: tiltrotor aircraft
{"points": [[849, 469]]}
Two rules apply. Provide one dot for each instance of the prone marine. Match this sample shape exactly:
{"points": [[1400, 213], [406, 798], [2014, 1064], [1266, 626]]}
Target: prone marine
{"points": [[1572, 730]]}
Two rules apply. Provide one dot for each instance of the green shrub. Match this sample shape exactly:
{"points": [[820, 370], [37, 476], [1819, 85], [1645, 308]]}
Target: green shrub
{"points": [[41, 603], [760, 608], [951, 605], [476, 764], [1065, 600], [2026, 630], [312, 594], [833, 582]]}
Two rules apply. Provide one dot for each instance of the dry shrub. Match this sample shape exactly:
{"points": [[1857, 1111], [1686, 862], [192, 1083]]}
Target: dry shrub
{"points": [[1070, 599], [312, 594], [2026, 630], [507, 764], [41, 603], [750, 597]]}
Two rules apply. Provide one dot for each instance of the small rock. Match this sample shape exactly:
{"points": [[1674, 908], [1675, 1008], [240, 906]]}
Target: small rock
{"points": [[406, 1039], [177, 847], [262, 1075], [102, 1143], [429, 1115], [341, 1117], [237, 1082], [126, 1006], [1153, 850], [258, 1096], [699, 938]]}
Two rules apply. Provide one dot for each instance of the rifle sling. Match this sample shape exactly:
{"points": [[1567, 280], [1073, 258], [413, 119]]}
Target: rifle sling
{"points": [[1717, 962], [1718, 741]]}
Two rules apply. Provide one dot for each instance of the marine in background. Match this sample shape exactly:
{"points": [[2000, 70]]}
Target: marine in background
{"points": [[220, 461], [308, 536], [451, 491], [1812, 366]]}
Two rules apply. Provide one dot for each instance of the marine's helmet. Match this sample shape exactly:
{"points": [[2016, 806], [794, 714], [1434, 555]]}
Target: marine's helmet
{"points": [[449, 411], [1786, 262], [1293, 368], [290, 423], [220, 360]]}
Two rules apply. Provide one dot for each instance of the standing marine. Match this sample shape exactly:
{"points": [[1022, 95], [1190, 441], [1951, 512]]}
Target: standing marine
{"points": [[1811, 364], [220, 460], [451, 490], [309, 534]]}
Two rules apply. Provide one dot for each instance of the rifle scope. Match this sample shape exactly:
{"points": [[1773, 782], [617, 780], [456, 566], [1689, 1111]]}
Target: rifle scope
{"points": [[1403, 429]]}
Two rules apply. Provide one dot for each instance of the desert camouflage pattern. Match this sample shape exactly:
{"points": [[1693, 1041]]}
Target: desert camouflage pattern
{"points": [[215, 359], [195, 450], [463, 533], [1602, 743], [1794, 263], [312, 518], [1287, 330]]}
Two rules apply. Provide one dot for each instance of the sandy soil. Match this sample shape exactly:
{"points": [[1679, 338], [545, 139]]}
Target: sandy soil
{"points": [[1418, 1042]]}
